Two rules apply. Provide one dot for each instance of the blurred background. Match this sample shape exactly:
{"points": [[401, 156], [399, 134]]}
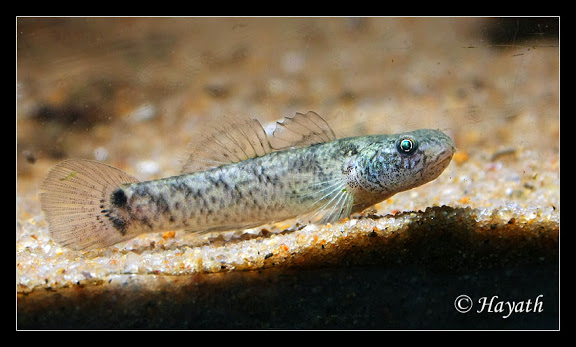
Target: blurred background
{"points": [[132, 91]]}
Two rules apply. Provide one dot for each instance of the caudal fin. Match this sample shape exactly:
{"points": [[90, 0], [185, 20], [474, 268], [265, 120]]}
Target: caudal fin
{"points": [[75, 198]]}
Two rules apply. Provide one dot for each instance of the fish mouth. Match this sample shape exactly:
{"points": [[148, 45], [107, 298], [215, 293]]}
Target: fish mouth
{"points": [[443, 159], [444, 162]]}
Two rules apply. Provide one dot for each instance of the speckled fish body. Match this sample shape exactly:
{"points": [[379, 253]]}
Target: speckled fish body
{"points": [[317, 178]]}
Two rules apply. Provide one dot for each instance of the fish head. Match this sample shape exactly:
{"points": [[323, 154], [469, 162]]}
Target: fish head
{"points": [[395, 163]]}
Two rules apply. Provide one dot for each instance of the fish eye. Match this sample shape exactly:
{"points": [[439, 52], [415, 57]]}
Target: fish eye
{"points": [[406, 145]]}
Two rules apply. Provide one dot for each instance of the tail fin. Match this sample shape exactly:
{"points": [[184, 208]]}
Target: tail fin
{"points": [[75, 198]]}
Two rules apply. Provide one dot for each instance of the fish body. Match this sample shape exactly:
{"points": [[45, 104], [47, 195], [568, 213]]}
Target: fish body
{"points": [[240, 180]]}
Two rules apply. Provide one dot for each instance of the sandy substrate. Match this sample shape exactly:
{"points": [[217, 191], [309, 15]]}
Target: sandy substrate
{"points": [[130, 92]]}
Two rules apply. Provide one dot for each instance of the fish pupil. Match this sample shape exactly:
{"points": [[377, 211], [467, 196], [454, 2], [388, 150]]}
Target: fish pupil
{"points": [[406, 146]]}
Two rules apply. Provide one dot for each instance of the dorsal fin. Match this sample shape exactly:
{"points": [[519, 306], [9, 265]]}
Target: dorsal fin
{"points": [[301, 130], [236, 141], [242, 139]]}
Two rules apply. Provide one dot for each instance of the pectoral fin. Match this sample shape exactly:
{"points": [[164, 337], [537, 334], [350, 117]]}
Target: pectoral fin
{"points": [[328, 201]]}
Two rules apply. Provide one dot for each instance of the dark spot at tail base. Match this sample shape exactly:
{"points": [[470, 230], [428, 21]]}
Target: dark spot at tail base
{"points": [[119, 198]]}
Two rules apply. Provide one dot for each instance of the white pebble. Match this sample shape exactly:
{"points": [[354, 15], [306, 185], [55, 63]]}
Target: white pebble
{"points": [[143, 113], [132, 263], [148, 167], [100, 153]]}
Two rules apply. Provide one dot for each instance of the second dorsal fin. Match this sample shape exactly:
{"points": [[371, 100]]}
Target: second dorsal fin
{"points": [[242, 139], [236, 141]]}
